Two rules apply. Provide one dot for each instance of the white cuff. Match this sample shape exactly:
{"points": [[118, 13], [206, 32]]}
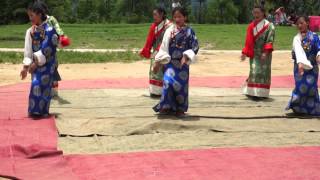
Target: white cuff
{"points": [[41, 58], [27, 61], [163, 58], [306, 64], [191, 55]]}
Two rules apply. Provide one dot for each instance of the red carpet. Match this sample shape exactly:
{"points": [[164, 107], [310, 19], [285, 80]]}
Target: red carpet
{"points": [[13, 104], [53, 166], [26, 132], [28, 148], [212, 164], [211, 82]]}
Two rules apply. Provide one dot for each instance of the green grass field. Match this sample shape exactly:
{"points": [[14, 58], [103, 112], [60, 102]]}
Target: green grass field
{"points": [[65, 57], [127, 36], [101, 36]]}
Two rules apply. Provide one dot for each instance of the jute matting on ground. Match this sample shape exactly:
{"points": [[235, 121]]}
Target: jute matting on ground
{"points": [[224, 136]]}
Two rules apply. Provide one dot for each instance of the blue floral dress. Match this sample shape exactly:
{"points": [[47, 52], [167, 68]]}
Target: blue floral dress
{"points": [[176, 79], [305, 97], [44, 40]]}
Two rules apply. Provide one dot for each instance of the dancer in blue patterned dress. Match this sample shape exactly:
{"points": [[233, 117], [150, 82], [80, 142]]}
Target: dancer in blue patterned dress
{"points": [[306, 55], [178, 49], [41, 63]]}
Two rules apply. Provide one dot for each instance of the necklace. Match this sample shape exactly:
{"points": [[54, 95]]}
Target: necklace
{"points": [[306, 41]]}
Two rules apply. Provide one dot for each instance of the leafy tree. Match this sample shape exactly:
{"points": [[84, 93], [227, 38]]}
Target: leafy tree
{"points": [[13, 11], [139, 11], [222, 11], [136, 11]]}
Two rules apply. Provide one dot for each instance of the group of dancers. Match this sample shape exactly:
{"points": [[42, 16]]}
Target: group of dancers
{"points": [[172, 47]]}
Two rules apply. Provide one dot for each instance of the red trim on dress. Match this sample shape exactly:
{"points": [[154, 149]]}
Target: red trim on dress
{"points": [[256, 85], [156, 82], [261, 31], [165, 26], [268, 48], [248, 50], [152, 36]]}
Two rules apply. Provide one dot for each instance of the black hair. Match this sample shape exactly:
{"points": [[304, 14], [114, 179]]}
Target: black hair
{"points": [[41, 8], [262, 9], [181, 10], [162, 12], [45, 7], [305, 18]]}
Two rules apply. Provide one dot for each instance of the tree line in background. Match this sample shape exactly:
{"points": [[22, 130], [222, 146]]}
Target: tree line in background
{"points": [[140, 11]]}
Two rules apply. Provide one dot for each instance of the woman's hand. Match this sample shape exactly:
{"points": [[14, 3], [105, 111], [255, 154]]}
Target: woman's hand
{"points": [[300, 69], [32, 67], [156, 67], [318, 59], [243, 57], [24, 72], [264, 56], [183, 61]]}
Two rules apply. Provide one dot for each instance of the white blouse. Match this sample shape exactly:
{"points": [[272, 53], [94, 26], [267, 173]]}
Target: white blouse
{"points": [[28, 52], [163, 55], [300, 53]]}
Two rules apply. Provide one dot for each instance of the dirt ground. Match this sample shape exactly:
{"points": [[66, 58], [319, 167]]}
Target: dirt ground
{"points": [[210, 64]]}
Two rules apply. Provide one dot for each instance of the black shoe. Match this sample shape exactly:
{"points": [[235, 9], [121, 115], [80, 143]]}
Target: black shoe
{"points": [[155, 96], [256, 98], [38, 116]]}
